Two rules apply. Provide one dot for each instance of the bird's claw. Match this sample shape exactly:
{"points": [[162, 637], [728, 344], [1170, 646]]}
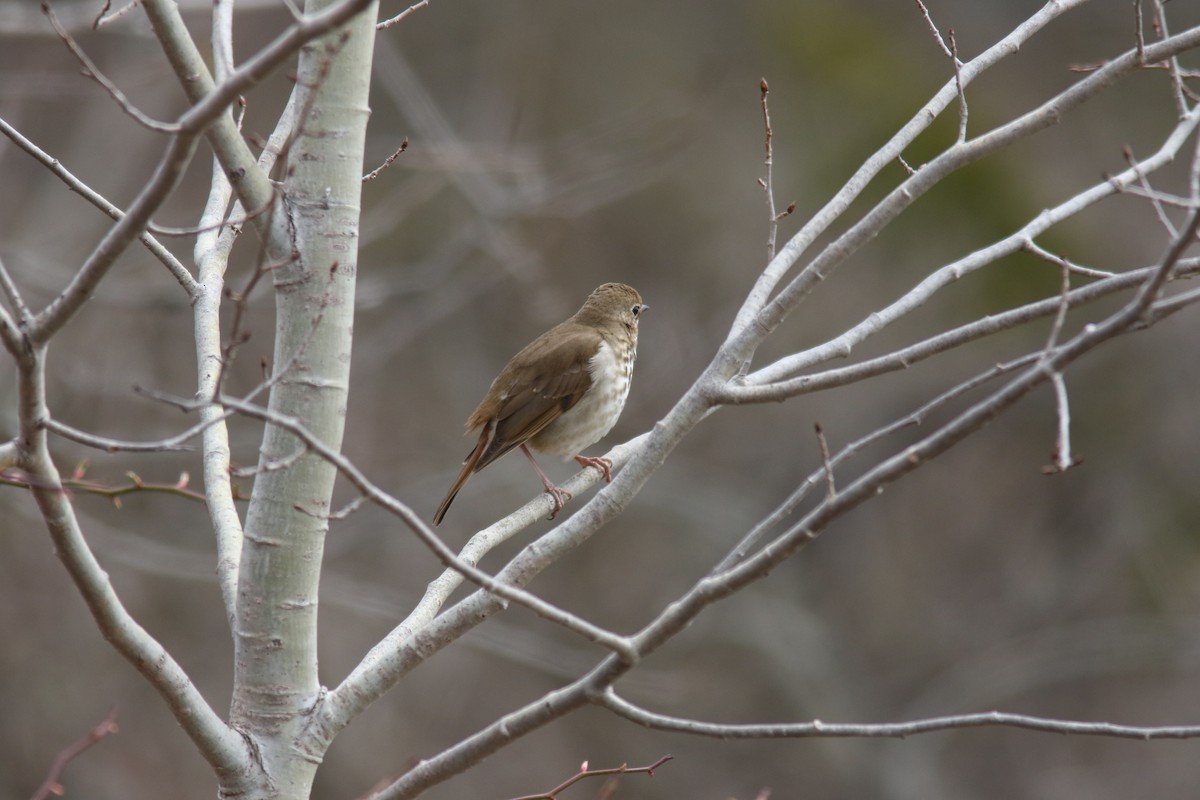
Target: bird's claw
{"points": [[560, 497], [599, 462]]}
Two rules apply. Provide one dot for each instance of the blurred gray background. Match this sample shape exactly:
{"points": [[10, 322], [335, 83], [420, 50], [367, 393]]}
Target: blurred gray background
{"points": [[555, 146]]}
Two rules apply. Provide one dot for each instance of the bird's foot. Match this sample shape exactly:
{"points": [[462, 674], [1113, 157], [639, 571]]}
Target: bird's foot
{"points": [[599, 462], [559, 496]]}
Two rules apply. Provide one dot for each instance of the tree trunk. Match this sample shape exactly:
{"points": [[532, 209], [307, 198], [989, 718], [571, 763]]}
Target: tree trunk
{"points": [[276, 679]]}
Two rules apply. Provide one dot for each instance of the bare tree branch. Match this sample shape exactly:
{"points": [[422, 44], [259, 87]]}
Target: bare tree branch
{"points": [[178, 271], [129, 227], [789, 505], [893, 150], [798, 730], [92, 71], [109, 445], [955, 337], [1160, 24], [744, 338], [946, 275], [225, 750], [212, 100], [744, 342]]}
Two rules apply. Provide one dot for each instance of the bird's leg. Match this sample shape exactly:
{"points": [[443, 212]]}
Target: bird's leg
{"points": [[560, 496], [599, 462]]}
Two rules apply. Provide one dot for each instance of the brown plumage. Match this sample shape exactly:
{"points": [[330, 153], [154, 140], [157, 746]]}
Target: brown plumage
{"points": [[562, 392]]}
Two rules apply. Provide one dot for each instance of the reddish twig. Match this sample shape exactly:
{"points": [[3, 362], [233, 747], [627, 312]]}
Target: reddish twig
{"points": [[53, 784], [584, 772], [951, 51], [766, 182], [76, 484], [370, 176]]}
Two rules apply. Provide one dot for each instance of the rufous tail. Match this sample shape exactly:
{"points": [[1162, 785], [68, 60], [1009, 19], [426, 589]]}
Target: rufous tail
{"points": [[468, 468]]}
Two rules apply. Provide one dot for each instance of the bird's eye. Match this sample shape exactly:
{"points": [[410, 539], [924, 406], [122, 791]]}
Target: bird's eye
{"points": [[637, 309]]}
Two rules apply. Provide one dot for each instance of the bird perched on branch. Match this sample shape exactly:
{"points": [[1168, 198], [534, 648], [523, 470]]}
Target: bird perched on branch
{"points": [[563, 392]]}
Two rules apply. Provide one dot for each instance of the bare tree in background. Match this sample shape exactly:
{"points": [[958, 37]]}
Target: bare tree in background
{"points": [[301, 198]]}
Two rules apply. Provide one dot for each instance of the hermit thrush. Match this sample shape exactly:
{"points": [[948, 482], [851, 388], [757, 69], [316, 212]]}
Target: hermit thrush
{"points": [[563, 392]]}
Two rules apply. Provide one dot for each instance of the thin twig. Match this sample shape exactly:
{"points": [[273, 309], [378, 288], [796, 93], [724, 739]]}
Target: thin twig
{"points": [[766, 181], [951, 52], [156, 248], [103, 18], [108, 445], [1064, 304], [958, 83], [232, 221], [348, 509], [1062, 450], [167, 175], [1127, 152], [1062, 262], [113, 492], [785, 509], [1163, 198], [373, 174], [52, 786], [585, 772], [271, 465], [1177, 87], [1063, 460], [92, 71], [237, 336], [396, 19]]}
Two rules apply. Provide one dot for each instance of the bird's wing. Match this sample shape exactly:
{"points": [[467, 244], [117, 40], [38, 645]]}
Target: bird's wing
{"points": [[542, 382]]}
